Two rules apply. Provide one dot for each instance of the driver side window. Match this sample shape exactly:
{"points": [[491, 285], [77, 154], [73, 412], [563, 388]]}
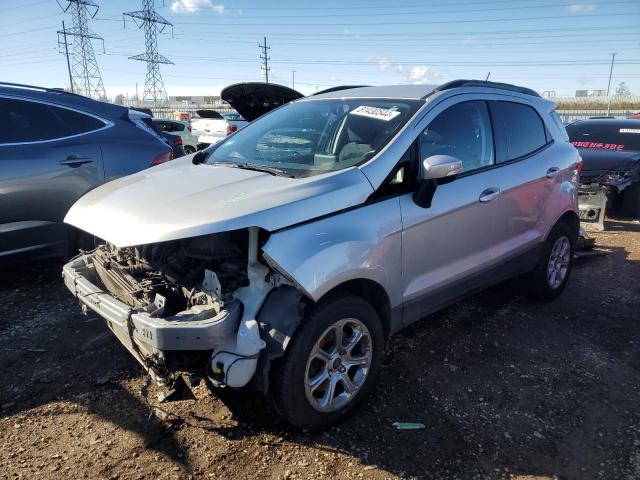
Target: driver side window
{"points": [[462, 131]]}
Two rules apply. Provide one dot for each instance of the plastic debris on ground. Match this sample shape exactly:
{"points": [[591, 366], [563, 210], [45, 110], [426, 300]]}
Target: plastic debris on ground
{"points": [[409, 425]]}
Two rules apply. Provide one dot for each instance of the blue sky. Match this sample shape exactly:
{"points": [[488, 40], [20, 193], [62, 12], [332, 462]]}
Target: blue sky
{"points": [[560, 45]]}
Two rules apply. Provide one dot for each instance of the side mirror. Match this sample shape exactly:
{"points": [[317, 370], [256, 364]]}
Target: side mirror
{"points": [[436, 170], [200, 157], [438, 167]]}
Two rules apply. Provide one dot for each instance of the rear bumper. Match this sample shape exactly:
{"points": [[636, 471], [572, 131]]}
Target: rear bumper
{"points": [[210, 139], [143, 335]]}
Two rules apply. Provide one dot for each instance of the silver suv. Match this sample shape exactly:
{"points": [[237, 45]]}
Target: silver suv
{"points": [[283, 256]]}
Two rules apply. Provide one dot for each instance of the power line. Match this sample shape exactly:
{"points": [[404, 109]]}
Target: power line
{"points": [[84, 72], [24, 5], [398, 10], [412, 22], [369, 7], [455, 34], [152, 23], [264, 56]]}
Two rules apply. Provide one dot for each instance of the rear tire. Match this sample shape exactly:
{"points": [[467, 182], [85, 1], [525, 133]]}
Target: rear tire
{"points": [[551, 274], [188, 150], [326, 372]]}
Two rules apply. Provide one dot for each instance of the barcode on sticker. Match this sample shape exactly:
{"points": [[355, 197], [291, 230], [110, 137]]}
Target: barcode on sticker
{"points": [[375, 112]]}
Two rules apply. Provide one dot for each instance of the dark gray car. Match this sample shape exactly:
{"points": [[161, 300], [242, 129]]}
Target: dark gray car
{"points": [[54, 147]]}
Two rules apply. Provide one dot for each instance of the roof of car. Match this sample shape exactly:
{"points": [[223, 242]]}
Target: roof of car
{"points": [[387, 91], [61, 97], [615, 122], [418, 92]]}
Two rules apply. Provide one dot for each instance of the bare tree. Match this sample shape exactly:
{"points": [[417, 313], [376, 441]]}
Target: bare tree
{"points": [[119, 100], [623, 90]]}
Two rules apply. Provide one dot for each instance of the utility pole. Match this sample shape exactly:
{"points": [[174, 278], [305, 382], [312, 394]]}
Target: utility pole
{"points": [[265, 59], [66, 53], [152, 23], [293, 79], [84, 72], [613, 57]]}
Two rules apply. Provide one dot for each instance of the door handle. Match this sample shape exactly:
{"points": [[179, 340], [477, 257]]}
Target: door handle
{"points": [[74, 161], [552, 172], [489, 194]]}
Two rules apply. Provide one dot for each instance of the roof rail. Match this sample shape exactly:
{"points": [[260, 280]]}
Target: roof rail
{"points": [[42, 89], [485, 83]]}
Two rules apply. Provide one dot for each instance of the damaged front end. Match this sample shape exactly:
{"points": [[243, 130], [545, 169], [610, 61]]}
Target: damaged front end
{"points": [[599, 188], [183, 305]]}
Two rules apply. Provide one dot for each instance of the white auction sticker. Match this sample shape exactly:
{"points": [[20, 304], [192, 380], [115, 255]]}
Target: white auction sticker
{"points": [[630, 130], [375, 112]]}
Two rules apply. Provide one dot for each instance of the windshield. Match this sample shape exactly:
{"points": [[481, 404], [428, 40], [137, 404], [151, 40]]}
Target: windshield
{"points": [[614, 136], [314, 137]]}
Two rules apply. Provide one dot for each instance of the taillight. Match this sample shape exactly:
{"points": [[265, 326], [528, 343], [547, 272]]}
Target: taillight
{"points": [[178, 141], [162, 158], [189, 128], [231, 129], [579, 166]]}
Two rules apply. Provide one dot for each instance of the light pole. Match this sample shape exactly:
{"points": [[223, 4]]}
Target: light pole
{"points": [[613, 58], [293, 79]]}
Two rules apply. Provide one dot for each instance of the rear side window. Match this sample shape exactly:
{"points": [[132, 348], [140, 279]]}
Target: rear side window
{"points": [[462, 131], [26, 121], [74, 123], [614, 136], [519, 130]]}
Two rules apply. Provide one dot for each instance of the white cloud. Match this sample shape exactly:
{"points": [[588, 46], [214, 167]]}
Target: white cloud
{"points": [[581, 7], [422, 74], [192, 6], [385, 64]]}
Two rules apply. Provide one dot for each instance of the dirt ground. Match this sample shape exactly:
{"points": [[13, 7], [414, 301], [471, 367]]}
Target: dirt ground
{"points": [[506, 388]]}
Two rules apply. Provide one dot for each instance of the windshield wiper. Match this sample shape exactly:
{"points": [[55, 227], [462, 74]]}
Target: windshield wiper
{"points": [[258, 168]]}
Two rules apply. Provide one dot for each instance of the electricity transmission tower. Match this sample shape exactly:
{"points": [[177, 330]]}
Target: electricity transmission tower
{"points": [[153, 24], [265, 59], [83, 67]]}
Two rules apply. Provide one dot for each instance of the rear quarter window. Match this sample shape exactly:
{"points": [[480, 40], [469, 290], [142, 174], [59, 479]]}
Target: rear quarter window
{"points": [[519, 130], [23, 121]]}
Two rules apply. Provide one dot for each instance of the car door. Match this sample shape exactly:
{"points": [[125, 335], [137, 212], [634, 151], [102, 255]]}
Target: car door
{"points": [[448, 246], [48, 160], [529, 170]]}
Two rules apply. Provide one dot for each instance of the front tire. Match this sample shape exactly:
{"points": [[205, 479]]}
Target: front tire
{"points": [[550, 276], [331, 363]]}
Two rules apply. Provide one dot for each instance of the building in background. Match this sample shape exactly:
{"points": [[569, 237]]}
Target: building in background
{"points": [[591, 93], [196, 100]]}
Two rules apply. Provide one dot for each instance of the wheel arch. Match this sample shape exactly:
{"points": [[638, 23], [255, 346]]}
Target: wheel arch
{"points": [[371, 292], [569, 218]]}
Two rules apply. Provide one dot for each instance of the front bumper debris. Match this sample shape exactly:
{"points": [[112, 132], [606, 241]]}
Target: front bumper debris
{"points": [[145, 336], [592, 205]]}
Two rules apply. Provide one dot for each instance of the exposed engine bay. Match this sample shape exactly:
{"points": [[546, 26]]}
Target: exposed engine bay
{"points": [[185, 273]]}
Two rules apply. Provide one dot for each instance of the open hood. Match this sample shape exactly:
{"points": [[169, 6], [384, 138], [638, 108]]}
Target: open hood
{"points": [[209, 114], [178, 200], [252, 100]]}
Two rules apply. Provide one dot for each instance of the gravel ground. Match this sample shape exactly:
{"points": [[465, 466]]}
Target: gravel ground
{"points": [[507, 389]]}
